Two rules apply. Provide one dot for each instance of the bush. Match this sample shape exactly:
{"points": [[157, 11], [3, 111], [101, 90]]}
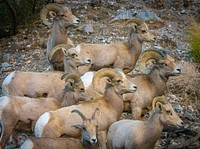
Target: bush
{"points": [[194, 40]]}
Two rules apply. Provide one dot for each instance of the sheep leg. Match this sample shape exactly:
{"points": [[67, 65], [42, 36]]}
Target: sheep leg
{"points": [[102, 136], [8, 127], [136, 111]]}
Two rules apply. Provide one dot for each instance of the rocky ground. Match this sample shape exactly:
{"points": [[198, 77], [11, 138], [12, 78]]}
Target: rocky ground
{"points": [[25, 51]]}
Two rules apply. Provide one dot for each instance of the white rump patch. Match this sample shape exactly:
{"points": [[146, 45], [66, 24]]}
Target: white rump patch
{"points": [[87, 78], [7, 81], [28, 144], [78, 49], [40, 124]]}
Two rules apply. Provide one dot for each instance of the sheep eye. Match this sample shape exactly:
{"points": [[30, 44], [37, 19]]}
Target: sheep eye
{"points": [[169, 112], [164, 64], [82, 90], [119, 81], [83, 128], [62, 15], [74, 55], [143, 31]]}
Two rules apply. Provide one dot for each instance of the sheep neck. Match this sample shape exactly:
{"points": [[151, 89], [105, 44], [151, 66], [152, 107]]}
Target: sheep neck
{"points": [[135, 45], [59, 33], [68, 97], [70, 66], [153, 128], [158, 80], [113, 99]]}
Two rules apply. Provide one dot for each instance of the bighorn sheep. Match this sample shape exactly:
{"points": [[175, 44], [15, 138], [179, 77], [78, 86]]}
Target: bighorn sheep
{"points": [[56, 123], [88, 139], [129, 134], [152, 84], [72, 58], [62, 19], [45, 84], [24, 110], [121, 55]]}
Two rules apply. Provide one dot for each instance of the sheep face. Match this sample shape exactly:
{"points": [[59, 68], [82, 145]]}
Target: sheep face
{"points": [[66, 18], [144, 34], [168, 115], [122, 85], [78, 89], [76, 57], [88, 128], [90, 131], [169, 67]]}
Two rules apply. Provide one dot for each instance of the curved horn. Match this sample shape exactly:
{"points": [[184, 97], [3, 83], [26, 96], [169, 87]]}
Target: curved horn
{"points": [[137, 21], [73, 76], [55, 7], [79, 113], [93, 115], [159, 99], [59, 47], [148, 55], [105, 72]]}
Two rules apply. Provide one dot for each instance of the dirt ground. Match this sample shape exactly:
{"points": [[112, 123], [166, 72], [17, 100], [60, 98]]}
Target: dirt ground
{"points": [[25, 52]]}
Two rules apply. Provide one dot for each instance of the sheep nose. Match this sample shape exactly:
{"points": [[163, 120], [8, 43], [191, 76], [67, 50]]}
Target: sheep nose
{"points": [[178, 69], [94, 140], [135, 87], [88, 61], [76, 21]]}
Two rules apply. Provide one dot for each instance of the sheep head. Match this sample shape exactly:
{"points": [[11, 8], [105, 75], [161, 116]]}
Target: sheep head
{"points": [[58, 12], [71, 54], [141, 29], [116, 78], [167, 114], [88, 128], [152, 58], [75, 84]]}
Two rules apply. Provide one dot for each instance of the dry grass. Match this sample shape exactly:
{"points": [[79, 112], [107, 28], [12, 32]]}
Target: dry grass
{"points": [[187, 85]]}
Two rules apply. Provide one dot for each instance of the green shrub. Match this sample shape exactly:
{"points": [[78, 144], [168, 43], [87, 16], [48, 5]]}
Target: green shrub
{"points": [[194, 39]]}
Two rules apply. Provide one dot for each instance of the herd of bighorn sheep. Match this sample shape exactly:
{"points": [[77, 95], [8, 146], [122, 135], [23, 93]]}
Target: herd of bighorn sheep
{"points": [[77, 104]]}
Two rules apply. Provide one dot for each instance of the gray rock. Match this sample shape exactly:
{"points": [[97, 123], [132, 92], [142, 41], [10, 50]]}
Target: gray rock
{"points": [[88, 28], [149, 16], [5, 65], [189, 116], [124, 15], [178, 109]]}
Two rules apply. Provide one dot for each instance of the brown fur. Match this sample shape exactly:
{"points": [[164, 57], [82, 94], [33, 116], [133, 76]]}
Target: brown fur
{"points": [[122, 55], [142, 134], [61, 21], [151, 85], [110, 107]]}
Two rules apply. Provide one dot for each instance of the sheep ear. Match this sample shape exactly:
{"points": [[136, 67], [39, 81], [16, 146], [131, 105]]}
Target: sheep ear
{"points": [[64, 51], [109, 80], [52, 14], [70, 82], [77, 126], [159, 106]]}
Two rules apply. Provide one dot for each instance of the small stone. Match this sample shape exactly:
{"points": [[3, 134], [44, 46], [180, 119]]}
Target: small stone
{"points": [[189, 116], [88, 28], [5, 65]]}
